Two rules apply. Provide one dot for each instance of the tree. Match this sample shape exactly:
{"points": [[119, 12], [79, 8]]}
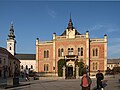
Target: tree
{"points": [[61, 63], [81, 68]]}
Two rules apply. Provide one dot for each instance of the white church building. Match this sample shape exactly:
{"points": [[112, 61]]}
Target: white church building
{"points": [[28, 61]]}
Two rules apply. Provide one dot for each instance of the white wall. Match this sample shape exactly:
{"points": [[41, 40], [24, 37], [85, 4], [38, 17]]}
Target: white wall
{"points": [[28, 63]]}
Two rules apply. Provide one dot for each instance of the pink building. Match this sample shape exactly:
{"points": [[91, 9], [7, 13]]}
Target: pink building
{"points": [[71, 47]]}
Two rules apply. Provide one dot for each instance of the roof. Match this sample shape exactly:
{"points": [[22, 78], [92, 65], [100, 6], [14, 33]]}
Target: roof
{"points": [[3, 50], [26, 56], [64, 33], [113, 61], [10, 56]]}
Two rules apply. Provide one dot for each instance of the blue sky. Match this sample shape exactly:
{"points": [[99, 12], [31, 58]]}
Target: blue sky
{"points": [[41, 19]]}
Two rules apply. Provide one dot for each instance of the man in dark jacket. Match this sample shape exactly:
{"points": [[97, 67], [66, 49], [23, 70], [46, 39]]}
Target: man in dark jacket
{"points": [[99, 77]]}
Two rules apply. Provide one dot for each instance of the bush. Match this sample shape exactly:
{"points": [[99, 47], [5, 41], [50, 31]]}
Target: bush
{"points": [[61, 63]]}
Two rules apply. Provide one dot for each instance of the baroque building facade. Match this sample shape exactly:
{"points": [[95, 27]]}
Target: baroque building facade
{"points": [[71, 46]]}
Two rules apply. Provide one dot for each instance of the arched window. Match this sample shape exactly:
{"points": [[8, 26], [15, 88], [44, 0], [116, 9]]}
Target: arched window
{"points": [[93, 66], [10, 48], [62, 52], [96, 66], [31, 66], [70, 51], [22, 67], [26, 67], [78, 51], [46, 67], [81, 51], [47, 54], [95, 51], [59, 52]]}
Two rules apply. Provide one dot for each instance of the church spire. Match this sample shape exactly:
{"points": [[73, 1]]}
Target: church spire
{"points": [[70, 24], [11, 35]]}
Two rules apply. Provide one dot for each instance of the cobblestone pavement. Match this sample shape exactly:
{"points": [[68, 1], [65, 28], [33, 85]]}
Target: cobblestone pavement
{"points": [[67, 84]]}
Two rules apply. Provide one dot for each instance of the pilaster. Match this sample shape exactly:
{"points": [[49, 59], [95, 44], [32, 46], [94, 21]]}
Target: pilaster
{"points": [[87, 48], [105, 52], [37, 54]]}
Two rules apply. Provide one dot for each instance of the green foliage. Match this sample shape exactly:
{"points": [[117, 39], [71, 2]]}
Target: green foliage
{"points": [[81, 68], [61, 63]]}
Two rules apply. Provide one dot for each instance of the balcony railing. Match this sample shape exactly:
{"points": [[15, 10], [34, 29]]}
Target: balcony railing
{"points": [[97, 40]]}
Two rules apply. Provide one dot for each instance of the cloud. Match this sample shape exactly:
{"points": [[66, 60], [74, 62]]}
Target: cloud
{"points": [[51, 12], [95, 27], [108, 28]]}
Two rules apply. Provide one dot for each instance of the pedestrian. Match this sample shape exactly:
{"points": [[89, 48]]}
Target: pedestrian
{"points": [[27, 75], [99, 77], [86, 82]]}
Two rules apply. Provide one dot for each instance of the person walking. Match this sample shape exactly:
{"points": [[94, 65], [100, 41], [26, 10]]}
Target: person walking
{"points": [[99, 77], [27, 75], [86, 82]]}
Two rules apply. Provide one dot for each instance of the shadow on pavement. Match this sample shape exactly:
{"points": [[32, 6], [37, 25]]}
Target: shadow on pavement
{"points": [[95, 88]]}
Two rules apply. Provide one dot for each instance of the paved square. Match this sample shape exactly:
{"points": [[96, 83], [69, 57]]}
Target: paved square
{"points": [[67, 84]]}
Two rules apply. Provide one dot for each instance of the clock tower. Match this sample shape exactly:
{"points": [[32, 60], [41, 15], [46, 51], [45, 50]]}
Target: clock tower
{"points": [[11, 42]]}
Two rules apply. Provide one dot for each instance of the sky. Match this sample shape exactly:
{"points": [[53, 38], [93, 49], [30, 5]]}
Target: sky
{"points": [[40, 19]]}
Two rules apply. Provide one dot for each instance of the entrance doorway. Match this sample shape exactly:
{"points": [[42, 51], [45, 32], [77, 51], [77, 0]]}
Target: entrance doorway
{"points": [[69, 72]]}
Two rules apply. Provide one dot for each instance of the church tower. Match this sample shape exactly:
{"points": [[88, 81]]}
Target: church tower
{"points": [[11, 42]]}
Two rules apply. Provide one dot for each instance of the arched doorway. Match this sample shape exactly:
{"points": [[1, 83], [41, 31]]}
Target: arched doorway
{"points": [[69, 71]]}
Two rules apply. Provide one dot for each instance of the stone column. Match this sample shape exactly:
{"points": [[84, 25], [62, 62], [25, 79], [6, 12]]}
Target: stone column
{"points": [[63, 72], [77, 72]]}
